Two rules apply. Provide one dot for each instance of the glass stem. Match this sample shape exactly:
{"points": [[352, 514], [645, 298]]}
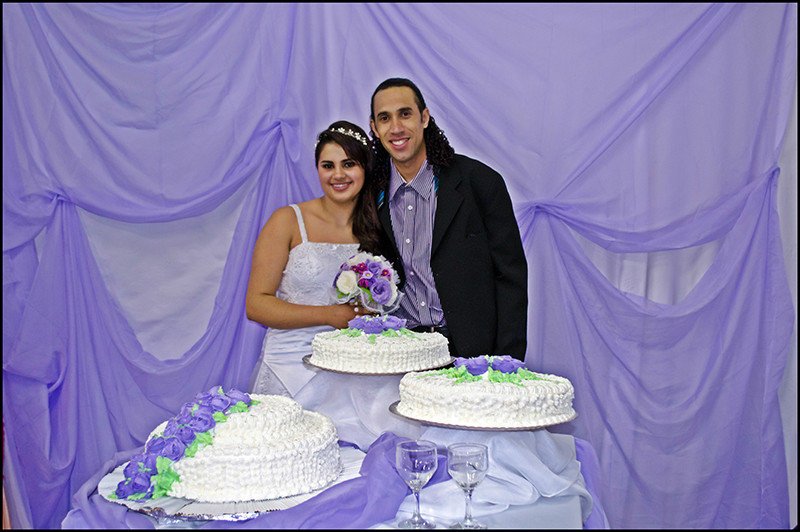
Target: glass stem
{"points": [[417, 515], [468, 511]]}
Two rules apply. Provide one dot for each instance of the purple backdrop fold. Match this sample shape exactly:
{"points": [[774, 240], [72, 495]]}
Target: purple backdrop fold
{"points": [[640, 127]]}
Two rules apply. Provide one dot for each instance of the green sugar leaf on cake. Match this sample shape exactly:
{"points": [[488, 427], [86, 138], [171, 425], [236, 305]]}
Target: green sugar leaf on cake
{"points": [[238, 407], [219, 417], [408, 333], [192, 449], [204, 438], [352, 333], [201, 440], [162, 482], [499, 376], [163, 464], [529, 375], [460, 374]]}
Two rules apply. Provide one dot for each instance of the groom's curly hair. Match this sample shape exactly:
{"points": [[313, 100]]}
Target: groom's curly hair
{"points": [[440, 153]]}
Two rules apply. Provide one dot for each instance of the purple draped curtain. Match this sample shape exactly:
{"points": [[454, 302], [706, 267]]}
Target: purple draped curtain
{"points": [[145, 145]]}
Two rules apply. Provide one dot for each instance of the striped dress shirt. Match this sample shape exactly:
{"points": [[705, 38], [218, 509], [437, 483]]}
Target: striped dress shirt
{"points": [[413, 207]]}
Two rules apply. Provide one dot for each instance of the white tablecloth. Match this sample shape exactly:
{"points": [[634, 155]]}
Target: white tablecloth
{"points": [[525, 466]]}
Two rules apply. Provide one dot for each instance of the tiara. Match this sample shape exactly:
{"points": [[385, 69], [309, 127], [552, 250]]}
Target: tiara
{"points": [[350, 133]]}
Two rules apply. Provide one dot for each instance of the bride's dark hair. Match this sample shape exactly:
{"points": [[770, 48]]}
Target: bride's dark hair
{"points": [[356, 144]]}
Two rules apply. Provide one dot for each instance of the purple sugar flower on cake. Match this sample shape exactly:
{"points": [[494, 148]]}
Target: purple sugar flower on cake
{"points": [[393, 322], [155, 445], [475, 366], [124, 489], [357, 322], [220, 402], [202, 420], [373, 326], [140, 483], [133, 466], [237, 396], [171, 429], [186, 435], [185, 414], [173, 448], [506, 364]]}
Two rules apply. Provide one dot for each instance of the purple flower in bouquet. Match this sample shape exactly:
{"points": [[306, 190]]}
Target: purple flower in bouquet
{"points": [[506, 364], [173, 448], [155, 445], [237, 396], [381, 291], [375, 268], [368, 280], [475, 366]]}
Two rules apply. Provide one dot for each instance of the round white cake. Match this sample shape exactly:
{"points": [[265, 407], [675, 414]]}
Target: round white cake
{"points": [[270, 450], [491, 399], [379, 345]]}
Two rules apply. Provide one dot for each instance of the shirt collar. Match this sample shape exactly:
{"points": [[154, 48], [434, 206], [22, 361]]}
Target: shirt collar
{"points": [[422, 182]]}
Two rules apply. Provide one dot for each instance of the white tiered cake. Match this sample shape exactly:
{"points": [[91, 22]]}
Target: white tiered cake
{"points": [[256, 448], [487, 392], [378, 345]]}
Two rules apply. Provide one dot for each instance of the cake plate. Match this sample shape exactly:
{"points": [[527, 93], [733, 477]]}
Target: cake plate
{"points": [[307, 360], [393, 410], [176, 510]]}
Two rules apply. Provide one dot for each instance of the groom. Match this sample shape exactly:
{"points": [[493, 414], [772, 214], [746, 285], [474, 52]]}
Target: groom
{"points": [[448, 226]]}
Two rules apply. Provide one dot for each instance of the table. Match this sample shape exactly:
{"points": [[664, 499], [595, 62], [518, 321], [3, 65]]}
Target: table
{"points": [[534, 481]]}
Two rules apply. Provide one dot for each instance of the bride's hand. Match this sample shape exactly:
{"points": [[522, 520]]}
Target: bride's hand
{"points": [[342, 314]]}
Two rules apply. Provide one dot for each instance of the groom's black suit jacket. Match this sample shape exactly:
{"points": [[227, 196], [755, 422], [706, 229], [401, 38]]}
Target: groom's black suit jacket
{"points": [[477, 260]]}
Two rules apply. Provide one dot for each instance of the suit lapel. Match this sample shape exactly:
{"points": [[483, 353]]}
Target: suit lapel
{"points": [[448, 201]]}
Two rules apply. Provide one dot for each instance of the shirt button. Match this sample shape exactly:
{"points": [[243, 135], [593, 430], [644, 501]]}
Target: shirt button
{"points": [[411, 274], [410, 207], [408, 240], [422, 304]]}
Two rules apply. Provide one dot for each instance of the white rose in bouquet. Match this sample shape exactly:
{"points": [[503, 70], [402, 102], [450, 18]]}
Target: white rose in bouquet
{"points": [[347, 283]]}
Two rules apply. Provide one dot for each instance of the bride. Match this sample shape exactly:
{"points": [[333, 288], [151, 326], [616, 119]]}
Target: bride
{"points": [[298, 253]]}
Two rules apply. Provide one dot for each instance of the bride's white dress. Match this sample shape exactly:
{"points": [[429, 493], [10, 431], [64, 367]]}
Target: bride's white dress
{"points": [[358, 405], [307, 280]]}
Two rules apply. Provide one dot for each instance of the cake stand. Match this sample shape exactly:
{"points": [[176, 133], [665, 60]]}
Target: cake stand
{"points": [[393, 410], [307, 360]]}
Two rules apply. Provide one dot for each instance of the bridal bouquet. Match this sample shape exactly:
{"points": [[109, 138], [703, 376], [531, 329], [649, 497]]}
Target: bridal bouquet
{"points": [[370, 281]]}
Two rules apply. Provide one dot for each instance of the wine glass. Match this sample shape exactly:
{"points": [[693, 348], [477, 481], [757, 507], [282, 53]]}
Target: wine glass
{"points": [[467, 464], [416, 462]]}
